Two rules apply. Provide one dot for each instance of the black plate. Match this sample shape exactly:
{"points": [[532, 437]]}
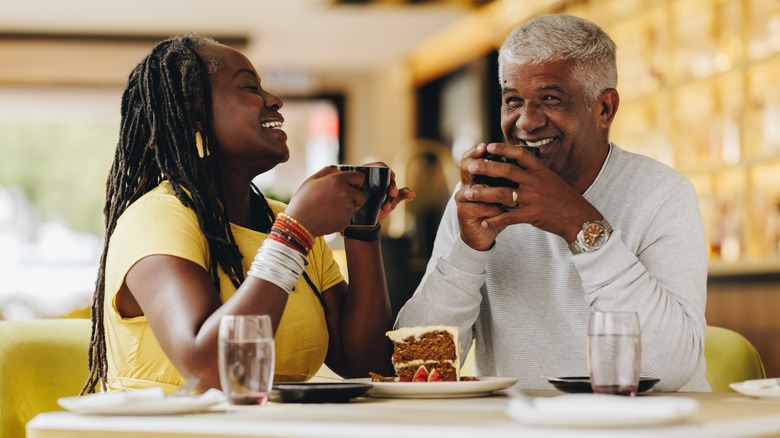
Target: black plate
{"points": [[317, 392], [582, 384]]}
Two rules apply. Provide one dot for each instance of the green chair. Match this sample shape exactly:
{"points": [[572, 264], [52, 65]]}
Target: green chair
{"points": [[730, 358], [40, 361]]}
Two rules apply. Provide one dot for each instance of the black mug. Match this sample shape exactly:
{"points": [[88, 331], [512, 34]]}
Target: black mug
{"points": [[377, 178], [502, 182]]}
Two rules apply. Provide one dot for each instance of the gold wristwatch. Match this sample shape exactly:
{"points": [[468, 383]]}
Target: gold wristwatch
{"points": [[592, 236]]}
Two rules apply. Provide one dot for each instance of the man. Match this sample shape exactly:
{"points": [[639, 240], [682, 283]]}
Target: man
{"points": [[590, 227]]}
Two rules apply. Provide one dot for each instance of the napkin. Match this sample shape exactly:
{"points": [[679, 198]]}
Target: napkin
{"points": [[769, 384], [143, 401], [600, 410], [761, 388]]}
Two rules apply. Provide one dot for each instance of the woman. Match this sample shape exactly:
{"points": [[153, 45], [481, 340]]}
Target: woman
{"points": [[185, 238]]}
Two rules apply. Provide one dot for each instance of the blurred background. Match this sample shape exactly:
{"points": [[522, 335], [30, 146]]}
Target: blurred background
{"points": [[410, 83]]}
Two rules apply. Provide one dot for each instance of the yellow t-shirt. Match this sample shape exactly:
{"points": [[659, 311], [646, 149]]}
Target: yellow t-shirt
{"points": [[157, 223]]}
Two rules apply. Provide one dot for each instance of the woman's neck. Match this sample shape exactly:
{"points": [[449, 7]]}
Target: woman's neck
{"points": [[237, 201]]}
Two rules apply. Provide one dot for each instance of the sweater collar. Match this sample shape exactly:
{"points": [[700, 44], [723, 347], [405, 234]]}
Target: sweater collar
{"points": [[602, 179]]}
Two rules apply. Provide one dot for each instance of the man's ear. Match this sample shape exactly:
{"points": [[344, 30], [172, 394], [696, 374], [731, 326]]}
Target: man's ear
{"points": [[606, 107]]}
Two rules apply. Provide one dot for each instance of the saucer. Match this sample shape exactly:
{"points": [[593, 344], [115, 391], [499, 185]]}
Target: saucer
{"points": [[336, 392], [581, 384]]}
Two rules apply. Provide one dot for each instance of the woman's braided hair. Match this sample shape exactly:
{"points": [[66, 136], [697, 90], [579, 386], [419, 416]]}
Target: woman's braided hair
{"points": [[166, 93]]}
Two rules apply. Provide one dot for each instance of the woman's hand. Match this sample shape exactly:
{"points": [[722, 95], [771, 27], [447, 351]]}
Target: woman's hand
{"points": [[394, 195], [326, 201]]}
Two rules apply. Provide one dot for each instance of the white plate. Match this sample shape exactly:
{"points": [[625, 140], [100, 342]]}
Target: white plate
{"points": [[763, 388], [601, 410], [483, 386], [143, 402]]}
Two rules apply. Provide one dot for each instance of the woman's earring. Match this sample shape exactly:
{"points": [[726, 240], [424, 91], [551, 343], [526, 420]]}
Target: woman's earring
{"points": [[201, 144]]}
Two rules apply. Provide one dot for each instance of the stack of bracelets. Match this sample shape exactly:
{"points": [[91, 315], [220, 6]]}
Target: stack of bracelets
{"points": [[282, 257]]}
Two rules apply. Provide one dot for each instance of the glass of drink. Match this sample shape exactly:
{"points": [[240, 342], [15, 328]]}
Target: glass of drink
{"points": [[614, 352], [246, 358]]}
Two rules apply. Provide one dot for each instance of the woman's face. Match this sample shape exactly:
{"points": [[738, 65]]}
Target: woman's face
{"points": [[246, 119]]}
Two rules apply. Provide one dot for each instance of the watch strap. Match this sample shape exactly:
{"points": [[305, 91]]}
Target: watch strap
{"points": [[576, 247], [363, 235]]}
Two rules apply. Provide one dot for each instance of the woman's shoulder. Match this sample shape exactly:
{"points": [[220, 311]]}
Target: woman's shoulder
{"points": [[158, 203], [163, 193]]}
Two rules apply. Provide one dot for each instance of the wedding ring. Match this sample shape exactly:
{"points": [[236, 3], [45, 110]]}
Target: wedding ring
{"points": [[514, 196]]}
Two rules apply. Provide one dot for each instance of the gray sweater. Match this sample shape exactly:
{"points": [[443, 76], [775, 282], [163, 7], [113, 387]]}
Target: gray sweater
{"points": [[526, 301]]}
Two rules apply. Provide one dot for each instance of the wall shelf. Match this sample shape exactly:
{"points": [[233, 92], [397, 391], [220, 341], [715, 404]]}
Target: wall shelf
{"points": [[700, 91], [700, 88], [742, 268]]}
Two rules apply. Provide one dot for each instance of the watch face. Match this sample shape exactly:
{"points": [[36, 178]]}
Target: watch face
{"points": [[591, 234]]}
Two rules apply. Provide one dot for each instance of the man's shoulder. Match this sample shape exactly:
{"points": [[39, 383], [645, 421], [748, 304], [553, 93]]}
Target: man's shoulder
{"points": [[634, 174], [639, 165]]}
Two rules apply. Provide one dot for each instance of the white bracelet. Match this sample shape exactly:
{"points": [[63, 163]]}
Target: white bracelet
{"points": [[278, 263]]}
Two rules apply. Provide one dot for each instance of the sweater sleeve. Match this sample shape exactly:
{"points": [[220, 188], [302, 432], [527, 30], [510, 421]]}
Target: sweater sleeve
{"points": [[449, 292], [664, 281]]}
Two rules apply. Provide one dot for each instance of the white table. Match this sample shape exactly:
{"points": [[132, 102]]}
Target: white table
{"points": [[720, 415]]}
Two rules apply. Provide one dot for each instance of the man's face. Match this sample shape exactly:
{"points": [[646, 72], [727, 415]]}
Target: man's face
{"points": [[544, 105]]}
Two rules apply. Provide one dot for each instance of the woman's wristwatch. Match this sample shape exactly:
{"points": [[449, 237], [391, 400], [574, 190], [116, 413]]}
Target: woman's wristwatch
{"points": [[364, 235], [592, 236]]}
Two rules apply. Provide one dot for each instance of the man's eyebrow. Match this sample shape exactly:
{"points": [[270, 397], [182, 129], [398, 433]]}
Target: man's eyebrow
{"points": [[557, 88], [552, 87], [244, 70]]}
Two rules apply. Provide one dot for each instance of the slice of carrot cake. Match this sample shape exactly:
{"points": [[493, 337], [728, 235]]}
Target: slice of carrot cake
{"points": [[426, 353]]}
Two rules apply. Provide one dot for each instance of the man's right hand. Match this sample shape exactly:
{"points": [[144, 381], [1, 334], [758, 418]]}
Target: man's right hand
{"points": [[471, 212]]}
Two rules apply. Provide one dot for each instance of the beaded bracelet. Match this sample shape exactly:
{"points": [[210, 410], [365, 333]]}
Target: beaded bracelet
{"points": [[294, 222], [288, 240], [288, 231], [370, 235]]}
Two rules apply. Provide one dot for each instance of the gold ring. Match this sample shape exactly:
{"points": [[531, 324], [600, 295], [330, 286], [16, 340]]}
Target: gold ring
{"points": [[514, 196]]}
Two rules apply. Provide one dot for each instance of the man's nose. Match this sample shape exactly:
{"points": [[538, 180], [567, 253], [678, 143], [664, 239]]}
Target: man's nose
{"points": [[531, 117]]}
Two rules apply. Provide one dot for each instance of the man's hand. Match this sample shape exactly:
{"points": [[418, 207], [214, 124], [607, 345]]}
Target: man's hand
{"points": [[543, 199]]}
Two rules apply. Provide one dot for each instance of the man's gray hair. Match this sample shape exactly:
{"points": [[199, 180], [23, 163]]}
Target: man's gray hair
{"points": [[562, 37]]}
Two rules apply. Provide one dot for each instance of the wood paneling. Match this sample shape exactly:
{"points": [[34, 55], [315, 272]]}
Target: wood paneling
{"points": [[750, 306], [84, 60], [479, 33]]}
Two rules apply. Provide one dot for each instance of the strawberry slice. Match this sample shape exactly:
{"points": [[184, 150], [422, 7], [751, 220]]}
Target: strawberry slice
{"points": [[434, 376], [421, 375]]}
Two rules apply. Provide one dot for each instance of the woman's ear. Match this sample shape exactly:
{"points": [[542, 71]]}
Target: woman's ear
{"points": [[201, 141], [606, 107]]}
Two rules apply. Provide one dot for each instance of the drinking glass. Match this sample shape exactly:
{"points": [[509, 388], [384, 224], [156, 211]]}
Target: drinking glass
{"points": [[614, 352], [246, 358]]}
